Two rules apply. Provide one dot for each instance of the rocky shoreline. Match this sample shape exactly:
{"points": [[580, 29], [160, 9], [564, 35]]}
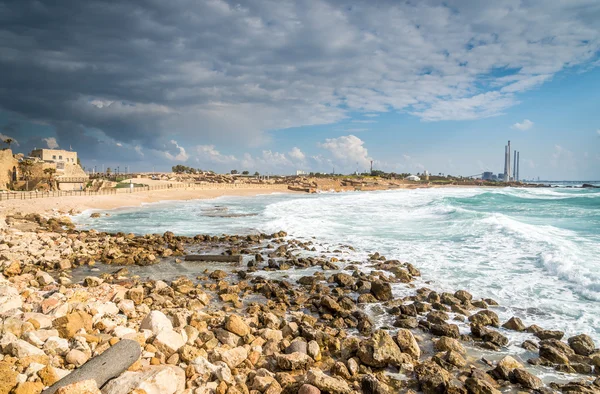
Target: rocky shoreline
{"points": [[247, 331]]}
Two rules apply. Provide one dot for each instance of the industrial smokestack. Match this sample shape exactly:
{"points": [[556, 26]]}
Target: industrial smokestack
{"points": [[505, 164], [518, 165], [515, 166], [508, 160]]}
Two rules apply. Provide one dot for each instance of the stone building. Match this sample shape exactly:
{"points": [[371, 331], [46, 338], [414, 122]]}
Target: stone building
{"points": [[69, 174], [9, 168]]}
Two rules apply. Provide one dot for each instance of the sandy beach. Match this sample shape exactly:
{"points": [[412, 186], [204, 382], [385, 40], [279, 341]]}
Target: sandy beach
{"points": [[75, 204]]}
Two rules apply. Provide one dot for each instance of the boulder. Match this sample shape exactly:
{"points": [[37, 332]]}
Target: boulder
{"points": [[505, 367], [582, 344], [381, 290], [22, 349], [553, 355], [236, 325], [29, 388], [480, 386], [9, 298], [549, 334], [408, 344], [156, 321], [163, 379], [515, 324], [329, 384], [56, 346], [76, 357], [380, 351], [526, 379], [308, 389], [463, 295], [432, 378], [9, 377], [445, 330], [485, 318], [446, 343], [293, 361]]}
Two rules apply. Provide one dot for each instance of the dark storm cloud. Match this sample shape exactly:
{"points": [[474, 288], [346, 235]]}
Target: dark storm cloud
{"points": [[161, 74]]}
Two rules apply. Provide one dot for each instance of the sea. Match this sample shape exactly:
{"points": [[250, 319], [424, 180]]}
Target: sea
{"points": [[534, 250]]}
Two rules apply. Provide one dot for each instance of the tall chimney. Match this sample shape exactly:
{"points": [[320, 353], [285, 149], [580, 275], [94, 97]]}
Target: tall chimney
{"points": [[508, 160], [515, 166], [505, 165], [518, 165]]}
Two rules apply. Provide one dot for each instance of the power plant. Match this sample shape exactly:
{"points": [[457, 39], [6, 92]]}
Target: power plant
{"points": [[511, 170]]}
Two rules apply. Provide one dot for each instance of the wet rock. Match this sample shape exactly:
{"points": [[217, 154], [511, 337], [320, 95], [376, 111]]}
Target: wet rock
{"points": [[463, 296], [407, 343], [445, 330], [446, 343], [344, 280], [505, 367], [432, 378], [582, 344], [515, 324], [236, 325], [485, 318], [530, 345], [406, 322], [381, 290], [293, 361], [164, 379], [370, 385], [380, 351], [495, 338], [479, 386], [553, 355], [549, 334], [326, 383]]}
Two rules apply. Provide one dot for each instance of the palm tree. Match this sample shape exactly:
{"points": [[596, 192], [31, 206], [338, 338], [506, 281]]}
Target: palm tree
{"points": [[26, 166], [9, 141]]}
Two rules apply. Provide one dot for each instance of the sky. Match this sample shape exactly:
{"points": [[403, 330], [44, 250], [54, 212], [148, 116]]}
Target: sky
{"points": [[277, 86]]}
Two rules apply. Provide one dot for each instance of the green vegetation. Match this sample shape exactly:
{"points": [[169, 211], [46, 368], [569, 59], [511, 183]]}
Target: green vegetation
{"points": [[8, 141], [234, 172], [181, 169], [245, 172], [126, 185]]}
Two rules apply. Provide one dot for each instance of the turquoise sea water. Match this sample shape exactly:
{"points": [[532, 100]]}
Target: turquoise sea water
{"points": [[536, 251]]}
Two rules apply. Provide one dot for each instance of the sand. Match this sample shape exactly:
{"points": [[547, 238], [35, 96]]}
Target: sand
{"points": [[76, 204]]}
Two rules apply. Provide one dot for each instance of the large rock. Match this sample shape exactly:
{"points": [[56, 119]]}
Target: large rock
{"points": [[553, 355], [432, 378], [9, 378], [236, 325], [76, 357], [163, 379], [505, 367], [380, 351], [156, 321], [515, 324], [56, 346], [326, 383], [234, 357], [22, 349], [582, 344], [168, 342], [485, 318], [293, 361], [69, 325], [480, 386], [9, 298], [308, 389], [526, 379], [408, 344], [549, 334], [381, 290], [445, 344]]}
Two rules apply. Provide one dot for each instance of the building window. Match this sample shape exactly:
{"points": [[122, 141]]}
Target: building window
{"points": [[59, 157], [53, 157]]}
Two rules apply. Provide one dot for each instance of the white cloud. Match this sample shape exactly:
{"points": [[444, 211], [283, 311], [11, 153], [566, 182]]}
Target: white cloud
{"points": [[119, 144], [208, 154], [181, 155], [139, 151], [364, 121], [348, 150], [51, 142], [598, 132], [524, 125], [297, 154]]}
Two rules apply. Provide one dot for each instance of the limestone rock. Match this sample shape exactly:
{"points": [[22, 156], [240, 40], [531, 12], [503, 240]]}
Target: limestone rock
{"points": [[236, 325], [446, 343], [168, 342], [9, 298], [326, 383], [308, 389], [29, 388], [9, 378], [553, 355], [234, 357], [381, 290], [515, 324], [526, 379], [485, 318], [408, 344], [549, 334], [293, 361], [582, 344], [480, 386], [70, 324], [432, 378], [505, 367], [56, 346], [22, 349], [76, 357], [163, 379], [82, 387], [156, 321], [381, 350]]}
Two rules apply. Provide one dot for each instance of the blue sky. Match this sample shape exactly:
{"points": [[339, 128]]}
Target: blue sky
{"points": [[275, 86]]}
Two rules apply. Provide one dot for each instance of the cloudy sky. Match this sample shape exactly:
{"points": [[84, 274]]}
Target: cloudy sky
{"points": [[275, 86]]}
